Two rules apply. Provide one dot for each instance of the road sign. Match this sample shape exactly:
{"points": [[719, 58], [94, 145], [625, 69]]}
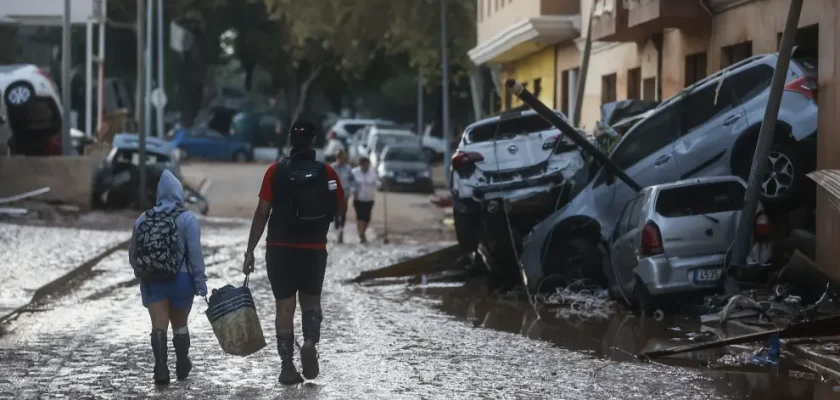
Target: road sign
{"points": [[158, 98]]}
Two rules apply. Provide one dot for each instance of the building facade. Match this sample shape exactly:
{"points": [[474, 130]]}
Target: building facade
{"points": [[652, 49]]}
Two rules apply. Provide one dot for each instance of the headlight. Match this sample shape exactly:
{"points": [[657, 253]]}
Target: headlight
{"points": [[423, 174]]}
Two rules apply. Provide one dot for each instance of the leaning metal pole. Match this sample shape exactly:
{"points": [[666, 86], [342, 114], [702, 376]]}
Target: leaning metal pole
{"points": [[444, 67], [532, 101], [66, 144], [160, 82], [742, 241], [140, 108], [584, 69]]}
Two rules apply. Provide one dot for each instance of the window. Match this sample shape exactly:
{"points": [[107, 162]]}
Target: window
{"points": [[634, 83], [353, 128], [735, 53], [649, 86], [608, 83], [695, 68], [706, 103], [636, 212], [509, 128], [646, 138], [707, 198], [752, 81], [537, 87], [569, 91]]}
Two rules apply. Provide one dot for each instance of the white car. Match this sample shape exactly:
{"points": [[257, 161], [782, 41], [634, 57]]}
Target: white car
{"points": [[346, 131], [517, 162], [378, 139], [31, 109]]}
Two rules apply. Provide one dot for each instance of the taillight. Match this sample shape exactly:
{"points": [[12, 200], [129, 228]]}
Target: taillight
{"points": [[331, 135], [761, 232], [806, 86], [651, 240], [464, 162], [551, 142], [44, 74]]}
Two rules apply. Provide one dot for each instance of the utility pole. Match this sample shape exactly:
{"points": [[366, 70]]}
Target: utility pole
{"points": [[66, 144], [161, 104], [89, 77], [584, 68], [103, 20], [420, 128], [741, 245], [139, 106], [147, 116], [444, 66]]}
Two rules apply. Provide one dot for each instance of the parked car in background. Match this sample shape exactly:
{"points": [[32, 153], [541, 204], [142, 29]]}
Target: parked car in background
{"points": [[32, 110], [345, 131], [432, 141], [266, 130], [214, 137], [675, 238], [508, 173], [405, 167], [709, 129], [376, 138]]}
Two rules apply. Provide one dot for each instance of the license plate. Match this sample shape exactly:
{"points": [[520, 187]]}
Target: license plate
{"points": [[405, 180], [707, 275]]}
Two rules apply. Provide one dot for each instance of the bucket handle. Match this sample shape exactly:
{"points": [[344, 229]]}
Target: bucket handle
{"points": [[245, 284]]}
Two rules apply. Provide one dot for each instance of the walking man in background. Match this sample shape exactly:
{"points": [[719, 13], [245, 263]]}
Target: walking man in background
{"points": [[365, 182], [299, 199], [343, 169]]}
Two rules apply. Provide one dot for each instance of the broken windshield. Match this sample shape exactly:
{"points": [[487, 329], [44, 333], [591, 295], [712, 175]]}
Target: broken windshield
{"points": [[702, 199], [509, 128]]}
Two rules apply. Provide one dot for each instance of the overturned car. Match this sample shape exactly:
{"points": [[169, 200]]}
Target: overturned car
{"points": [[508, 173]]}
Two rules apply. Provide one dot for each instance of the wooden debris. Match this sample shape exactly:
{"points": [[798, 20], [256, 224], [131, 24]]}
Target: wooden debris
{"points": [[438, 261]]}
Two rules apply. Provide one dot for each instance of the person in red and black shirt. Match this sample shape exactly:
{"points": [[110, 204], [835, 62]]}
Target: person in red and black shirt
{"points": [[296, 258]]}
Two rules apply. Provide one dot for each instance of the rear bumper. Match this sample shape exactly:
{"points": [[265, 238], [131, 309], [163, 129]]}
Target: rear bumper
{"points": [[557, 178]]}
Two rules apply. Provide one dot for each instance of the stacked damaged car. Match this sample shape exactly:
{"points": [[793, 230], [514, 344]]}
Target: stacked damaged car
{"points": [[664, 225]]}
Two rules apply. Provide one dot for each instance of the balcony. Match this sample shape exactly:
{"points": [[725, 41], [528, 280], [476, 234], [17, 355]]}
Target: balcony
{"points": [[509, 31], [652, 16], [609, 23]]}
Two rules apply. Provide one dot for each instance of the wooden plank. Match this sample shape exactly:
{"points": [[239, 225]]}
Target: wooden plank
{"points": [[438, 261]]}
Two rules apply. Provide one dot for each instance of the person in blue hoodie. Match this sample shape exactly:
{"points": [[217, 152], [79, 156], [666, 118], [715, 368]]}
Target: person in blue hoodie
{"points": [[170, 301]]}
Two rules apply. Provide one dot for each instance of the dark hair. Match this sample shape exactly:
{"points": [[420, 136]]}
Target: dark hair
{"points": [[302, 134], [364, 159]]}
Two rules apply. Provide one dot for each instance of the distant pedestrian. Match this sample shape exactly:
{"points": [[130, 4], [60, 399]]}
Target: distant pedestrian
{"points": [[344, 171], [165, 252], [299, 199], [365, 183]]}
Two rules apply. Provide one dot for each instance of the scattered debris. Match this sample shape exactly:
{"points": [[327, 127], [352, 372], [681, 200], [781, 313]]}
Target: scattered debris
{"points": [[13, 211], [23, 196], [580, 301], [438, 261]]}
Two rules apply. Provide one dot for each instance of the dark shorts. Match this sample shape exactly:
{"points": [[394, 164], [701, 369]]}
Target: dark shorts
{"points": [[363, 210], [291, 270]]}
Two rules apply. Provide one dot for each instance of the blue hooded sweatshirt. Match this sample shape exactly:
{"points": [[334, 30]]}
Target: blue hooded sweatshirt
{"points": [[170, 195]]}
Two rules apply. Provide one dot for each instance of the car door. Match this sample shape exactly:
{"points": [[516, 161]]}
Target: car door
{"points": [[646, 155], [624, 244], [710, 120]]}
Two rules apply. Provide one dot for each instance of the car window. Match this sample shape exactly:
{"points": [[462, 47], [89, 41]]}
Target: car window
{"points": [[407, 155], [707, 103], [646, 138], [752, 81], [352, 128], [621, 229], [706, 198], [509, 128], [636, 212]]}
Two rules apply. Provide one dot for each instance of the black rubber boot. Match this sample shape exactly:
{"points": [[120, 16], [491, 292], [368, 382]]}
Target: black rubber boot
{"points": [[183, 365], [311, 324], [288, 373], [161, 374]]}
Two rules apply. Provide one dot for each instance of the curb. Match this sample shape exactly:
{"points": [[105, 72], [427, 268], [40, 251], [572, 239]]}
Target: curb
{"points": [[57, 283], [799, 354]]}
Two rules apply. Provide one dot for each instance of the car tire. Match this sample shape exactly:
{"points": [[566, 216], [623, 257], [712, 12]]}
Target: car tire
{"points": [[467, 230], [647, 304], [19, 94], [240, 156], [782, 188], [574, 259]]}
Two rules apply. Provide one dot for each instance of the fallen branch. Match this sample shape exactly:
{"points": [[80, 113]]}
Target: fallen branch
{"points": [[814, 328], [4, 200], [438, 261]]}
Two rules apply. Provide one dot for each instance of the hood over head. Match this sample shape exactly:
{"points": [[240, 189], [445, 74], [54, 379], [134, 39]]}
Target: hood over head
{"points": [[170, 192]]}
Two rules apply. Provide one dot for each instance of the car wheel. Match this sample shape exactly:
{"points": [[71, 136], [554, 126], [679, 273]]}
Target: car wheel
{"points": [[467, 230], [647, 303], [572, 260], [19, 94], [782, 186], [240, 156]]}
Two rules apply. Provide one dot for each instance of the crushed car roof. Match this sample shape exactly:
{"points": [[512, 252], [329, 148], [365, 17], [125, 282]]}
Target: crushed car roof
{"points": [[131, 141]]}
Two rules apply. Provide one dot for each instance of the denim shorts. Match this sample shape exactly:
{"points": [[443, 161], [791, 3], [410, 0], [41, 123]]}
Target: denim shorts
{"points": [[179, 291]]}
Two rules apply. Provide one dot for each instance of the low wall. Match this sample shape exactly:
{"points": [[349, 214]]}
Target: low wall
{"points": [[70, 179]]}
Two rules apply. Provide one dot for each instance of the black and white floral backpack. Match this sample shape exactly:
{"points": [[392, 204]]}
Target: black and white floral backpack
{"points": [[158, 255]]}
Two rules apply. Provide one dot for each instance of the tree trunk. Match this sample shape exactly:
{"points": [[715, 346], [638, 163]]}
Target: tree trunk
{"points": [[304, 92]]}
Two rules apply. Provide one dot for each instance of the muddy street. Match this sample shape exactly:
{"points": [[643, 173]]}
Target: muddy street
{"points": [[379, 342]]}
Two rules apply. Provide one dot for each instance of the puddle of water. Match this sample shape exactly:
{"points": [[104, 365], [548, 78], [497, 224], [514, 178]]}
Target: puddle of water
{"points": [[620, 336]]}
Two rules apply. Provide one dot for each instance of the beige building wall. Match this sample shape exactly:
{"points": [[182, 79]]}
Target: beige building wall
{"points": [[494, 16]]}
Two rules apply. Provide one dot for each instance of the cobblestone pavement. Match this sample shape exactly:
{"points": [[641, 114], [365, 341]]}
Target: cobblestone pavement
{"points": [[377, 343]]}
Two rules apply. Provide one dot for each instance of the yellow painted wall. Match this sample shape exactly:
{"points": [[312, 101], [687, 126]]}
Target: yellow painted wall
{"points": [[540, 65]]}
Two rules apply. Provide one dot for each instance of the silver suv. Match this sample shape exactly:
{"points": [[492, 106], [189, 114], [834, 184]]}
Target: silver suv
{"points": [[709, 129]]}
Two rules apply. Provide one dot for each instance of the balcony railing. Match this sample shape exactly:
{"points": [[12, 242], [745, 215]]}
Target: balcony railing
{"points": [[634, 20]]}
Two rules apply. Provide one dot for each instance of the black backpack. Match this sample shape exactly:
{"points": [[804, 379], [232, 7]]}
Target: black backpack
{"points": [[303, 200], [158, 255]]}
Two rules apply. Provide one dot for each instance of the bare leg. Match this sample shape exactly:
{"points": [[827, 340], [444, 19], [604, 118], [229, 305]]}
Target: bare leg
{"points": [[181, 340], [159, 314]]}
